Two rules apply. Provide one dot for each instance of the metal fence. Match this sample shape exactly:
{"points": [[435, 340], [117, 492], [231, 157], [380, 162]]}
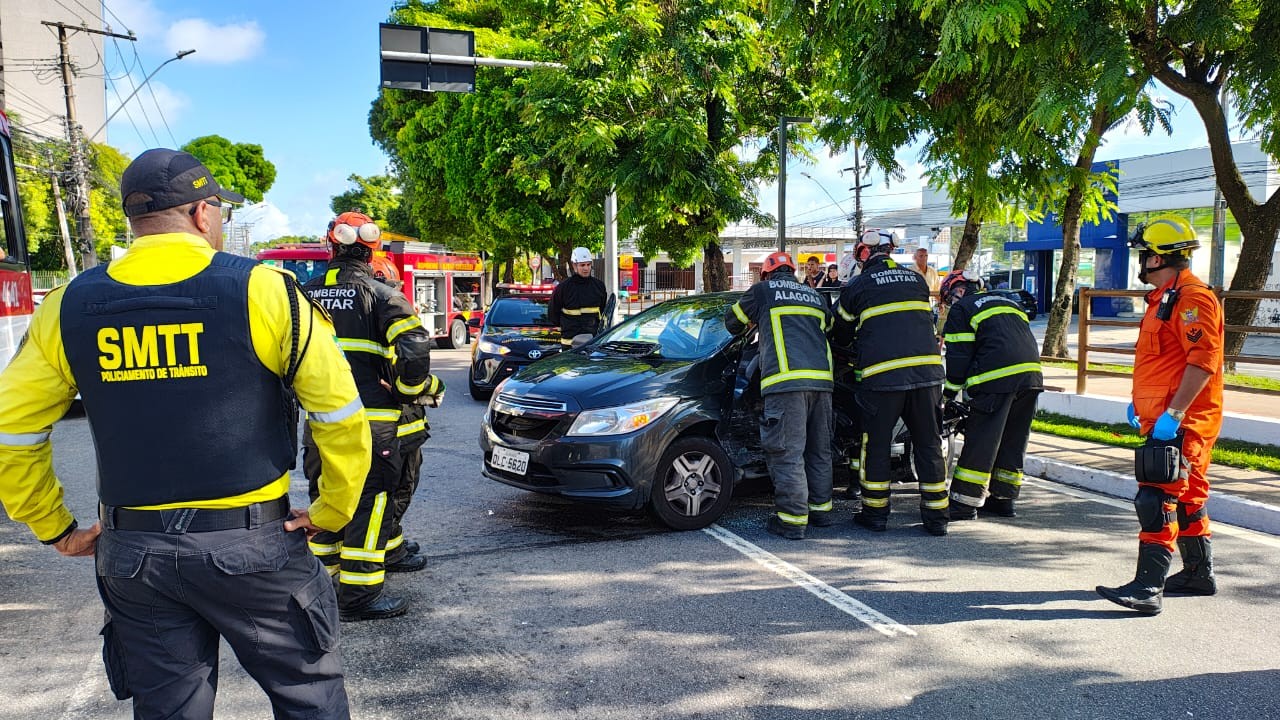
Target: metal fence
{"points": [[1086, 321], [48, 279]]}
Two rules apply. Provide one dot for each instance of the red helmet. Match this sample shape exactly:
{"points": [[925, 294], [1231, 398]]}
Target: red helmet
{"points": [[384, 269], [956, 279], [350, 228], [777, 260]]}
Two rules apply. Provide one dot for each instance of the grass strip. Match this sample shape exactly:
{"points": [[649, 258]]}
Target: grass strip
{"points": [[1229, 379], [1234, 453]]}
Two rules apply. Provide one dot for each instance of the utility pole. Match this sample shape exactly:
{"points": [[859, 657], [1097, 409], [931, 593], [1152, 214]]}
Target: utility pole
{"points": [[858, 185], [783, 121], [79, 168], [1218, 252]]}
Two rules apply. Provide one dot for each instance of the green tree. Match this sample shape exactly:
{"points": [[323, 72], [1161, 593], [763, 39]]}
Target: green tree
{"points": [[241, 167], [1202, 49], [377, 196], [472, 173], [657, 100], [106, 211]]}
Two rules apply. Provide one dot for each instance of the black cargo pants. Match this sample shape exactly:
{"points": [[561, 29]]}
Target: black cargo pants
{"points": [[996, 432], [413, 432], [918, 408], [168, 598], [357, 554]]}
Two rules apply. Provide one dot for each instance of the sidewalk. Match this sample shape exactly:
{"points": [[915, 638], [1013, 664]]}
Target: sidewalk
{"points": [[1247, 498]]}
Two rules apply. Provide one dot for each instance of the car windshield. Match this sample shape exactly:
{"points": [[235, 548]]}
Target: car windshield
{"points": [[517, 312], [684, 329]]}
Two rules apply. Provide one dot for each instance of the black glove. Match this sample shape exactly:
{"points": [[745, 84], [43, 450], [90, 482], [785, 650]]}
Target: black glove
{"points": [[954, 410]]}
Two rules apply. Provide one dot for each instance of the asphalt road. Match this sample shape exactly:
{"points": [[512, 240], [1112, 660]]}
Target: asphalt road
{"points": [[531, 608]]}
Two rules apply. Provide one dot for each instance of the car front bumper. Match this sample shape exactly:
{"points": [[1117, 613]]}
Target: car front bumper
{"points": [[615, 470]]}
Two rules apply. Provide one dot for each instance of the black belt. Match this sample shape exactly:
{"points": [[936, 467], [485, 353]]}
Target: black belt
{"points": [[185, 520]]}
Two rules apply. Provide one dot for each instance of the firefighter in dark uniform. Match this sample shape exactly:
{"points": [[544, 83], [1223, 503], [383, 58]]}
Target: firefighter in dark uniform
{"points": [[577, 305], [389, 353], [885, 316], [992, 356], [181, 355], [796, 384], [413, 431]]}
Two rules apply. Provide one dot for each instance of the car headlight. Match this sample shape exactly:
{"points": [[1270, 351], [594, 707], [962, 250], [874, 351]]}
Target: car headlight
{"points": [[621, 419], [492, 348]]}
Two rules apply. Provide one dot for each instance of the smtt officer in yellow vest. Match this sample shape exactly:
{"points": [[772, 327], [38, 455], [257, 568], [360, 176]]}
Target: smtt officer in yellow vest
{"points": [[181, 355]]}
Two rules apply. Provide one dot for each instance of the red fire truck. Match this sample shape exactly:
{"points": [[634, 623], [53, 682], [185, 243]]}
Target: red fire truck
{"points": [[446, 287], [16, 302]]}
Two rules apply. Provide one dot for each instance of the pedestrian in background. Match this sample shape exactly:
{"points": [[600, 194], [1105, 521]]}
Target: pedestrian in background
{"points": [[184, 357], [796, 384], [388, 350], [993, 357], [1177, 406], [832, 278], [577, 305], [884, 314], [927, 271]]}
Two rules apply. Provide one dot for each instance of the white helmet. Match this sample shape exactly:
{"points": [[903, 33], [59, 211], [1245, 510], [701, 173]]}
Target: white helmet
{"points": [[876, 238], [581, 254], [848, 267]]}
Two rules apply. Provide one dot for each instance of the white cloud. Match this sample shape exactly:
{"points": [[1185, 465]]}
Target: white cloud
{"points": [[141, 108], [218, 44], [269, 222], [140, 16]]}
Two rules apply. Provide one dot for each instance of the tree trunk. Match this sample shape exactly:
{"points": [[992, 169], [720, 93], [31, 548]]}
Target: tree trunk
{"points": [[509, 270], [1055, 335], [1259, 223], [714, 278], [968, 238], [564, 254]]}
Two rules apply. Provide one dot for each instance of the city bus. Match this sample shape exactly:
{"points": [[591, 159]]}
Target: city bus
{"points": [[16, 303]]}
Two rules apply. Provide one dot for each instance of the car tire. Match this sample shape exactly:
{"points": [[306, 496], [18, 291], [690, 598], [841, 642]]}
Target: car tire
{"points": [[693, 484], [457, 336]]}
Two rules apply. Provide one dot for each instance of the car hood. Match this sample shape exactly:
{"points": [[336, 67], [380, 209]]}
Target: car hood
{"points": [[589, 382], [537, 334]]}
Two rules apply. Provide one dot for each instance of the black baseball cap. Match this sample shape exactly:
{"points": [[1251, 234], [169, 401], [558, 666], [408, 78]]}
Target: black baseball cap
{"points": [[171, 178]]}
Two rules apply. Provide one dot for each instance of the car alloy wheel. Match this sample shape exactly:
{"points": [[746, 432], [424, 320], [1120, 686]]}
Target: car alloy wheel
{"points": [[693, 484]]}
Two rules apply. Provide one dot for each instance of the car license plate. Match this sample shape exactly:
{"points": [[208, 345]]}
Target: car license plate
{"points": [[513, 461]]}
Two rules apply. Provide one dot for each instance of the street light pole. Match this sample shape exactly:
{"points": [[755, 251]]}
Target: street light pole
{"points": [[181, 54]]}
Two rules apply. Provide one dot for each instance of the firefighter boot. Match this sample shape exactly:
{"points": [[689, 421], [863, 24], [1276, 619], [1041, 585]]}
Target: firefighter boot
{"points": [[1143, 593], [1000, 507], [383, 606], [1196, 575]]}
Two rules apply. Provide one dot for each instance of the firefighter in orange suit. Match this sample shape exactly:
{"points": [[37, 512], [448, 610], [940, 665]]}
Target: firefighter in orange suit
{"points": [[1177, 406]]}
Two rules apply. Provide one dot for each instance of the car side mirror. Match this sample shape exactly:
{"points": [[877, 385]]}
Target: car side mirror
{"points": [[580, 340], [474, 322]]}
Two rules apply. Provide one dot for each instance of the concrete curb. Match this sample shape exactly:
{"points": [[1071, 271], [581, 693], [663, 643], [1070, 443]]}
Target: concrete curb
{"points": [[1229, 509]]}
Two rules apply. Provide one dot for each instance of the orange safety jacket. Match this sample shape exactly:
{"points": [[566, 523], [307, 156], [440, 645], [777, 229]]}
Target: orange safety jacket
{"points": [[1193, 335]]}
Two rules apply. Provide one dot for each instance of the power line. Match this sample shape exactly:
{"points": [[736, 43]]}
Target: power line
{"points": [[127, 114], [151, 90], [133, 87]]}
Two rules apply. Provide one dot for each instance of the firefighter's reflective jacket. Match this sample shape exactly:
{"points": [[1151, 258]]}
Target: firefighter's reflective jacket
{"points": [[990, 347], [885, 316], [793, 319], [577, 306], [380, 334]]}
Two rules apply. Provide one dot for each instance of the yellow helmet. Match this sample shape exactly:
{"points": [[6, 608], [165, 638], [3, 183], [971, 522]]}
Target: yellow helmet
{"points": [[1165, 235]]}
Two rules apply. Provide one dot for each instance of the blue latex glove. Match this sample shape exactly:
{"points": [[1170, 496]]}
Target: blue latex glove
{"points": [[1133, 417], [1166, 427]]}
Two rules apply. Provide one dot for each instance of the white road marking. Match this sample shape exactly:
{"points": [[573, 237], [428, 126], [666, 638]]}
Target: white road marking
{"points": [[1219, 528], [865, 614]]}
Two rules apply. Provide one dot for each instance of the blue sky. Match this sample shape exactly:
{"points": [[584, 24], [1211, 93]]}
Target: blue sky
{"points": [[298, 79]]}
